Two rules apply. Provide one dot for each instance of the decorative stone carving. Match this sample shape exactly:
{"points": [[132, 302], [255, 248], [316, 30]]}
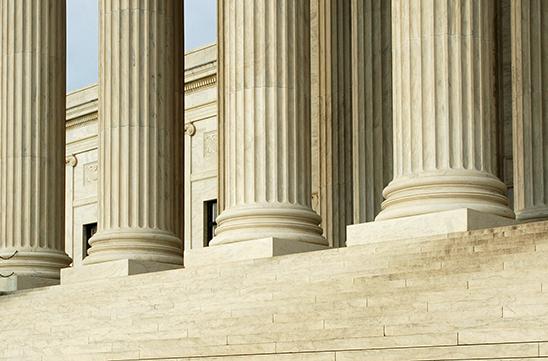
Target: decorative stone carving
{"points": [[190, 129], [32, 137], [71, 160], [140, 151], [91, 173], [210, 144], [200, 84]]}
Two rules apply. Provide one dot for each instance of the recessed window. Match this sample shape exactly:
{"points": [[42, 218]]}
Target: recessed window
{"points": [[210, 220], [88, 231]]}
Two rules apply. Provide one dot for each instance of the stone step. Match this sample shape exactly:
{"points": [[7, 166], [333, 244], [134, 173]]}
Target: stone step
{"points": [[346, 304], [365, 278], [252, 280]]}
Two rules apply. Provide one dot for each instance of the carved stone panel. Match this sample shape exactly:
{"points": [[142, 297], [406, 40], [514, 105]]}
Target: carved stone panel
{"points": [[90, 173]]}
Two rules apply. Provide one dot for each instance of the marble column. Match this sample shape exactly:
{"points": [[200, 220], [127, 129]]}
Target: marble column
{"points": [[32, 138], [504, 97], [445, 107], [266, 123], [371, 105], [331, 115], [140, 132], [530, 108]]}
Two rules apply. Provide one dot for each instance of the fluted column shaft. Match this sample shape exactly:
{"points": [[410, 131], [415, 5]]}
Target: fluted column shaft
{"points": [[32, 137], [266, 125], [444, 109], [332, 117], [140, 133], [530, 107], [371, 105]]}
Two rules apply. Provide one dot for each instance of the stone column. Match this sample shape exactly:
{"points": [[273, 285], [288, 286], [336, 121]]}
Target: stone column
{"points": [[266, 124], [371, 105], [140, 161], [32, 138], [445, 107], [332, 116], [530, 107]]}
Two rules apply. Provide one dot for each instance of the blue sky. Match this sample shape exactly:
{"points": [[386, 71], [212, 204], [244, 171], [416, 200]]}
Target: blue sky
{"points": [[83, 36]]}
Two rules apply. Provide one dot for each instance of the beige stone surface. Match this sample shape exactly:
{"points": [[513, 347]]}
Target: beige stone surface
{"points": [[423, 225], [465, 296], [32, 137], [112, 269], [530, 101], [19, 283], [427, 280], [246, 250], [266, 123], [444, 110], [140, 132]]}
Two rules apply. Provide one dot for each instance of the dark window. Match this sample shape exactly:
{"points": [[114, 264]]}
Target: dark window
{"points": [[89, 230], [210, 220]]}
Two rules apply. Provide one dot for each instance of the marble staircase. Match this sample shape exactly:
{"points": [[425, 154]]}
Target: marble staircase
{"points": [[479, 295]]}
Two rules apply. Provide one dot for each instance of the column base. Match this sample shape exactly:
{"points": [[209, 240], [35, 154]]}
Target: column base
{"points": [[532, 214], [19, 283], [247, 250], [111, 269], [424, 225]]}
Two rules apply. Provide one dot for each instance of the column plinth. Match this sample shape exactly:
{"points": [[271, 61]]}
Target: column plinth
{"points": [[266, 125], [140, 133], [32, 141]]}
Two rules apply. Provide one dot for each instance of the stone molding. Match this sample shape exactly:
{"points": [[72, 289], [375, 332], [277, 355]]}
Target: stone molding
{"points": [[196, 85]]}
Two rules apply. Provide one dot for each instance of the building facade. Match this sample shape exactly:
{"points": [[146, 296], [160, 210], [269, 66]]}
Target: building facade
{"points": [[351, 146], [334, 179]]}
